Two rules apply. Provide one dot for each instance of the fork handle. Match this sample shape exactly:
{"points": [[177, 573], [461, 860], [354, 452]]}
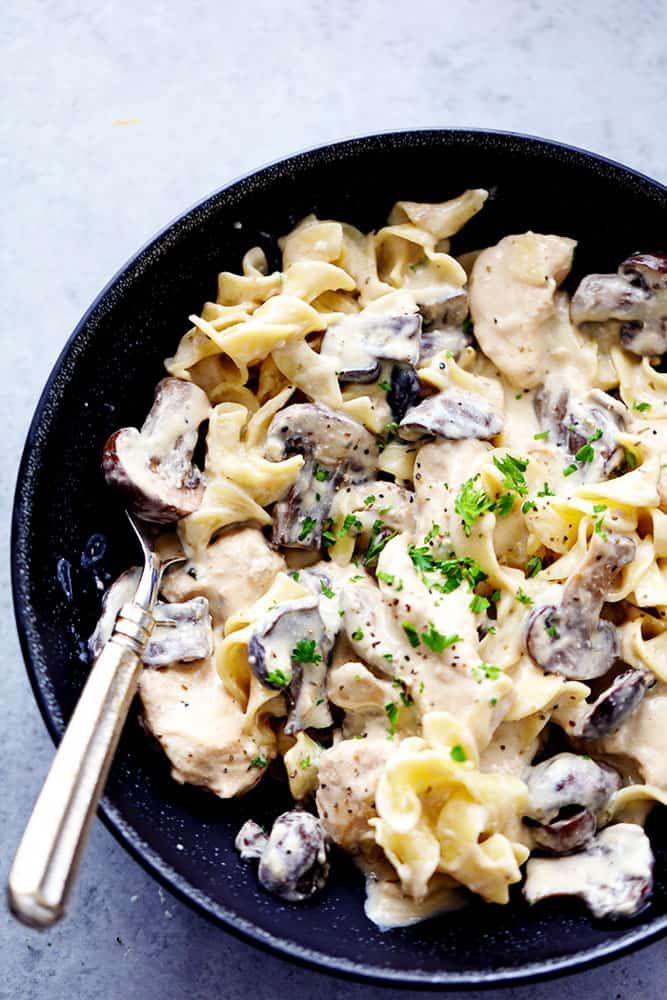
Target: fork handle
{"points": [[55, 837]]}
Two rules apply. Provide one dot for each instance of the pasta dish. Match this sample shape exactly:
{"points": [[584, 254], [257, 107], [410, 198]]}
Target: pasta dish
{"points": [[425, 575]]}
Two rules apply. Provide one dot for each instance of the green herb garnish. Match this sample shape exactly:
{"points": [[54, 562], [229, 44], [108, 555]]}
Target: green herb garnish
{"points": [[437, 641], [458, 754], [513, 470], [411, 633], [305, 651], [307, 527], [278, 678], [533, 566]]}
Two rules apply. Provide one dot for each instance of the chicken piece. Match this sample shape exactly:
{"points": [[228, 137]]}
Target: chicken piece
{"points": [[349, 774], [512, 288], [199, 726], [233, 573]]}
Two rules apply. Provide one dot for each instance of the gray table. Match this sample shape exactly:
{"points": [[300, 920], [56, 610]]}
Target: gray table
{"points": [[118, 115]]}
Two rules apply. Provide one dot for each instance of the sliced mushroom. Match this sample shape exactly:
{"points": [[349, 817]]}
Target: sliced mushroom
{"points": [[573, 422], [182, 632], [294, 864], [565, 781], [636, 297], [613, 875], [566, 835], [614, 705], [404, 392], [454, 414], [442, 305], [251, 841], [359, 343], [571, 639], [289, 651], [336, 449], [153, 467]]}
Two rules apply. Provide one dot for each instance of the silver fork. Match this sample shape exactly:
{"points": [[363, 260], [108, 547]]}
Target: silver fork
{"points": [[55, 837]]}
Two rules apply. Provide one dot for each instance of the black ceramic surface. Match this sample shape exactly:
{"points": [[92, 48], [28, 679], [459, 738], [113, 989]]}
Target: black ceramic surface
{"points": [[105, 378]]}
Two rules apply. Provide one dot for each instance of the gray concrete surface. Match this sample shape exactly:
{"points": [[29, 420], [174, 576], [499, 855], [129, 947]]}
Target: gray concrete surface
{"points": [[209, 89]]}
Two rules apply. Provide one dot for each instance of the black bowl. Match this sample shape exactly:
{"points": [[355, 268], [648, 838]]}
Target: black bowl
{"points": [[104, 379]]}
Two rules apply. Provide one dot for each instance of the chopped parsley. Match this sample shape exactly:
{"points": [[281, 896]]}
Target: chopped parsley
{"points": [[479, 604], [369, 500], [307, 527], [454, 570], [327, 591], [546, 492], [379, 539], [405, 697], [351, 521], [599, 508], [386, 578], [305, 651], [305, 763], [495, 596], [328, 537], [523, 597], [357, 635], [435, 530], [260, 761], [295, 575], [513, 470], [542, 436], [278, 678], [411, 633], [458, 754], [471, 503], [642, 407], [552, 631], [391, 708], [569, 469], [388, 657], [486, 670], [504, 504], [385, 386], [528, 505], [630, 458], [321, 474], [533, 566], [436, 640]]}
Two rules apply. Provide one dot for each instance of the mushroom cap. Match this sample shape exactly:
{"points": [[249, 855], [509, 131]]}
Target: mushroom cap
{"points": [[614, 705], [455, 414], [635, 297], [404, 392], [323, 434], [572, 650], [294, 863], [566, 835], [358, 343], [567, 780], [153, 467]]}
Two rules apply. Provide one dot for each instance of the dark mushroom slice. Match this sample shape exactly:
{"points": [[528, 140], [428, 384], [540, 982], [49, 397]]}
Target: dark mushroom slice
{"points": [[251, 841], [614, 705], [572, 640], [455, 414], [573, 423], [289, 651], [442, 305], [153, 467], [635, 297], [405, 391], [565, 781], [182, 632], [359, 343], [566, 835], [613, 874], [335, 448], [294, 865]]}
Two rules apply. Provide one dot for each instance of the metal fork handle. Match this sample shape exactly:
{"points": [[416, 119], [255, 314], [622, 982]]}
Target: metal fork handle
{"points": [[55, 837]]}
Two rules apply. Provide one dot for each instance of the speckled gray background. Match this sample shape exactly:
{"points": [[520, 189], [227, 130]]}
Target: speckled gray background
{"points": [[116, 116]]}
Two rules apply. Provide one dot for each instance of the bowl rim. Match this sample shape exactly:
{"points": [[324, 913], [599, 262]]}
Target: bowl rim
{"points": [[125, 834]]}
